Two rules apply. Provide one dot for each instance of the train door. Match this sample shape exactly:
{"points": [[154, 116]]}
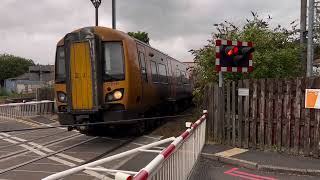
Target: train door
{"points": [[143, 73], [81, 77]]}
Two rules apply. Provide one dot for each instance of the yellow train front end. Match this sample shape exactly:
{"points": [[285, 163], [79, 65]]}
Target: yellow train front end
{"points": [[94, 70]]}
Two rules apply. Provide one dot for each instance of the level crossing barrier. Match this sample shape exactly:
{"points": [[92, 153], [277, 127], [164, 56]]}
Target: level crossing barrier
{"points": [[173, 162], [28, 109]]}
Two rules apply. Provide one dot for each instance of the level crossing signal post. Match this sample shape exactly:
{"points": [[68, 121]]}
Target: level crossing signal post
{"points": [[231, 56]]}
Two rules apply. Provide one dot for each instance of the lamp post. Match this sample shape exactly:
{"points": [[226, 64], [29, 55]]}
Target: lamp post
{"points": [[96, 4], [114, 26]]}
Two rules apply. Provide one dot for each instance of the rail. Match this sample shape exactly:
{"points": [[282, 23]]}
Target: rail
{"points": [[174, 162], [28, 109]]}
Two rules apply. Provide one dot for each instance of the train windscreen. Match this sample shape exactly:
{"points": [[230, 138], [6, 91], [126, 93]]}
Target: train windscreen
{"points": [[113, 61], [60, 65]]}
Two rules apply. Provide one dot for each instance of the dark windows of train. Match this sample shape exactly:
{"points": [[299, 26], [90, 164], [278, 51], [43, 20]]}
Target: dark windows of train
{"points": [[60, 65], [113, 61], [185, 78], [143, 66], [154, 71], [163, 73], [178, 76], [181, 77]]}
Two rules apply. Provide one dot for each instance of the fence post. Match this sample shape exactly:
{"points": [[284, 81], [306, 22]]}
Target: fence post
{"points": [[262, 113], [228, 114], [253, 124], [240, 117], [316, 147], [233, 113], [246, 115], [278, 112], [297, 115]]}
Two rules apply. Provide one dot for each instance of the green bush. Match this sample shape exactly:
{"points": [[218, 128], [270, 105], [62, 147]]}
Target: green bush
{"points": [[4, 92]]}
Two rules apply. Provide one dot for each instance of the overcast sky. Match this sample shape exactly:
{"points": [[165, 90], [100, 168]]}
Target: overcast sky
{"points": [[32, 28]]}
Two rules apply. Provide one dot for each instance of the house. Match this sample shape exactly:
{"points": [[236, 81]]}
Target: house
{"points": [[37, 76]]}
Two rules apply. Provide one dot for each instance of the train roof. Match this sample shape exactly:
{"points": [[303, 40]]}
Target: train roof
{"points": [[104, 32]]}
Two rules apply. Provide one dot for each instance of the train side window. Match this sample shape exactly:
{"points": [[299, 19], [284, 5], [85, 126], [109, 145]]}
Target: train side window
{"points": [[154, 71], [60, 65], [181, 77], [185, 78], [163, 73], [143, 66], [178, 76]]}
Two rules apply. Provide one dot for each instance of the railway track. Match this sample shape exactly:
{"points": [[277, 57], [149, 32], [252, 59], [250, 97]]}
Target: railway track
{"points": [[58, 149], [49, 151], [56, 155]]}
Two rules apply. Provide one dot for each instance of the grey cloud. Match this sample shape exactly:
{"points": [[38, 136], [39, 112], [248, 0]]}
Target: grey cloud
{"points": [[32, 28]]}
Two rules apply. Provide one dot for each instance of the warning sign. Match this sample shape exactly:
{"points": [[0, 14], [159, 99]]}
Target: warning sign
{"points": [[312, 99]]}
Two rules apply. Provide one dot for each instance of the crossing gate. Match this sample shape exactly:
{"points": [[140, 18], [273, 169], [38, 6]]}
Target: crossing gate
{"points": [[28, 109], [174, 162]]}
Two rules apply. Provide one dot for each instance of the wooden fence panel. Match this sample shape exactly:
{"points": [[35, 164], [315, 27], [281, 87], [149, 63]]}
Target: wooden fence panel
{"points": [[246, 116], [233, 113], [253, 124], [269, 113], [240, 117], [307, 122], [262, 114], [278, 110], [297, 113], [273, 115], [317, 135], [287, 116], [228, 113], [216, 113]]}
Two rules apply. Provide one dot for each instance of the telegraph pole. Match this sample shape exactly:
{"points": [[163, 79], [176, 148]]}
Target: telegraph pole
{"points": [[114, 22], [310, 38], [303, 30]]}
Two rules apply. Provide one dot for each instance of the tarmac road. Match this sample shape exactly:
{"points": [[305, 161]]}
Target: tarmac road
{"points": [[19, 147], [209, 169]]}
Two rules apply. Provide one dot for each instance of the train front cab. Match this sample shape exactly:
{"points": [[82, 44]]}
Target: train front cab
{"points": [[92, 77]]}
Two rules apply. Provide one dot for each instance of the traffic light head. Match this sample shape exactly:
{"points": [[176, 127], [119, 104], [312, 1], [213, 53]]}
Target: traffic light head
{"points": [[234, 56]]}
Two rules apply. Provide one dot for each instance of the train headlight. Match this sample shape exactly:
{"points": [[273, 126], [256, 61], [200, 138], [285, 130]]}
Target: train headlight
{"points": [[115, 95], [62, 97]]}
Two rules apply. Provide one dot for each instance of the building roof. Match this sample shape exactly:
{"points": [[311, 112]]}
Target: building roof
{"points": [[47, 73]]}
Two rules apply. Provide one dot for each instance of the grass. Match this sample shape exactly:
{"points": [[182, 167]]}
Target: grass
{"points": [[176, 126], [6, 96]]}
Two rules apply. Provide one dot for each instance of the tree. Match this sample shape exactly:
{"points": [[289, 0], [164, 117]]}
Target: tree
{"points": [[12, 66], [277, 52], [142, 36]]}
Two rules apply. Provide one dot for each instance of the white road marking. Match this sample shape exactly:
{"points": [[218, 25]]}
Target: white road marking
{"points": [[56, 159], [150, 137], [18, 139], [10, 141], [231, 152], [5, 134]]}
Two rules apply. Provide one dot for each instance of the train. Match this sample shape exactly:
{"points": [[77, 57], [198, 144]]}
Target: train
{"points": [[104, 75]]}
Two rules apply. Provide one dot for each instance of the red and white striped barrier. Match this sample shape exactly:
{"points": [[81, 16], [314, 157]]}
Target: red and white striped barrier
{"points": [[174, 162], [177, 160]]}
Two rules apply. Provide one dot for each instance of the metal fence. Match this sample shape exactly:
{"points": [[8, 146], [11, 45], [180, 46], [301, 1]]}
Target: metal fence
{"points": [[174, 162], [178, 159], [18, 110]]}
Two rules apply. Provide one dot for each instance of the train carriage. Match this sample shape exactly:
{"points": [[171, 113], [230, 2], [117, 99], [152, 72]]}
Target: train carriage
{"points": [[103, 74]]}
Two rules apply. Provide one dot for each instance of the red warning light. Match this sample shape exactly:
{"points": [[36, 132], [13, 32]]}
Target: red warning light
{"points": [[230, 53], [233, 51]]}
